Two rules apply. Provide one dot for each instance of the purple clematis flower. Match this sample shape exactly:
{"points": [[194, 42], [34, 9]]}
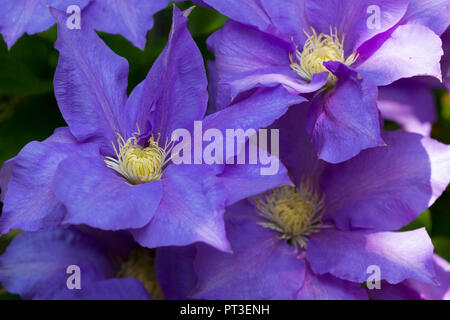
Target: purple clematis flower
{"points": [[110, 266], [446, 59], [341, 50], [416, 290], [411, 102], [80, 175], [317, 238], [129, 18]]}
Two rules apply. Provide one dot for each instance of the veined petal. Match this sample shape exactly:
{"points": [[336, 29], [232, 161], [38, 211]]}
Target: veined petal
{"points": [[391, 185], [258, 111], [434, 14], [347, 255], [328, 287], [191, 210], [260, 267], [409, 103], [288, 18], [30, 203], [131, 19], [344, 120], [439, 290], [115, 204], [245, 180], [28, 16], [241, 49], [34, 264], [174, 93], [400, 53], [352, 17], [245, 11], [297, 152], [5, 175], [90, 91], [274, 76]]}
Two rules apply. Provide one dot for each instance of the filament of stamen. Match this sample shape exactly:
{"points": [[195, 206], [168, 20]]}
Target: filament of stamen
{"points": [[294, 213], [140, 164]]}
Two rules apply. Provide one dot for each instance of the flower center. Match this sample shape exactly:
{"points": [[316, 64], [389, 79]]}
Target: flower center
{"points": [[295, 213], [138, 164], [141, 265], [317, 50]]}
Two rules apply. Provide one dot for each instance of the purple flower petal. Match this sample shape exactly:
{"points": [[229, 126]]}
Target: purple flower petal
{"points": [[386, 188], [5, 176], [91, 92], [175, 271], [258, 111], [174, 93], [131, 19], [244, 180], [30, 203], [347, 255], [29, 16], [191, 210], [344, 121], [109, 289], [219, 95], [328, 287], [274, 76], [296, 150], [260, 267], [96, 195], [249, 12], [401, 54], [239, 48], [34, 264], [434, 14], [351, 18], [445, 62], [389, 291], [410, 103], [289, 18], [439, 291]]}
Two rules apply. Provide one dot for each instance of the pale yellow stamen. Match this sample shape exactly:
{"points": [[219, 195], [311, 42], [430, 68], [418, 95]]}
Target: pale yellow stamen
{"points": [[295, 213], [317, 50], [140, 164]]}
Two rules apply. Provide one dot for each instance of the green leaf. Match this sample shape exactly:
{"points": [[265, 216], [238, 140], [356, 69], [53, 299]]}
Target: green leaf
{"points": [[442, 246], [424, 220], [35, 119]]}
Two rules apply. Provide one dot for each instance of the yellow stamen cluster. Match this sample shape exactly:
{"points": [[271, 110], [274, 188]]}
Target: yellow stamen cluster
{"points": [[141, 265], [295, 213], [140, 164], [317, 50]]}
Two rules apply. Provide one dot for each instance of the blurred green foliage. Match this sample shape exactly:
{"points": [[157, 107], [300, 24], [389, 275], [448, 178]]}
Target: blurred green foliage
{"points": [[28, 109]]}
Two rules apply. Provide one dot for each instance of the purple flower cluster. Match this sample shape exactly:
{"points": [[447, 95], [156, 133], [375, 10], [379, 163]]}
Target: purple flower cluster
{"points": [[105, 195]]}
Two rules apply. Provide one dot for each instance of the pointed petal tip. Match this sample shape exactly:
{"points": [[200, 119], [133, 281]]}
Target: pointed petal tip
{"points": [[188, 11]]}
